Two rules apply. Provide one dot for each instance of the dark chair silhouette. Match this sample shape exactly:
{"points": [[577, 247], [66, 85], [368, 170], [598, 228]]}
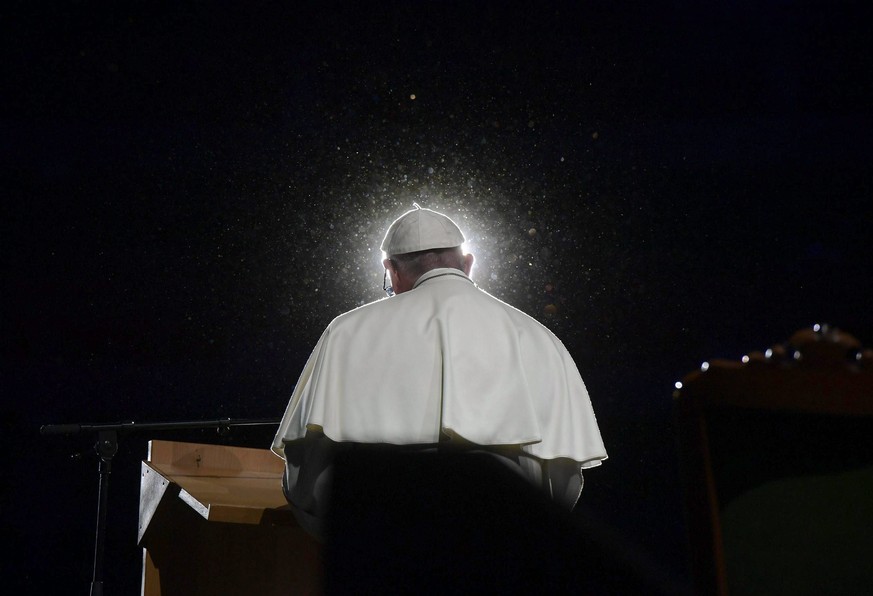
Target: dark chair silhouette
{"points": [[416, 523], [777, 463]]}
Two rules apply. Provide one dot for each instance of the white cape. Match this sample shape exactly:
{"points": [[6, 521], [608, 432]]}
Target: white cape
{"points": [[444, 356]]}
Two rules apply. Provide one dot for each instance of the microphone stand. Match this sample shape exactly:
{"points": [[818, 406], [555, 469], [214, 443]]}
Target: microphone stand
{"points": [[106, 448]]}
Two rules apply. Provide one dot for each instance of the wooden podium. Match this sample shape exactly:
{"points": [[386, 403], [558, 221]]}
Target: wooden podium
{"points": [[213, 520]]}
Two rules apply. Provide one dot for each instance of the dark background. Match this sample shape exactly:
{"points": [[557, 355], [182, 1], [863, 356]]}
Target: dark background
{"points": [[191, 192]]}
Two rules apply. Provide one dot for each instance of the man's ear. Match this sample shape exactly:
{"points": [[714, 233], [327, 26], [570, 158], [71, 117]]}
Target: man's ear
{"points": [[394, 272], [468, 264]]}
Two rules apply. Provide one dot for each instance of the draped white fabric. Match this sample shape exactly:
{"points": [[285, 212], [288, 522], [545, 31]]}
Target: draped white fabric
{"points": [[444, 356]]}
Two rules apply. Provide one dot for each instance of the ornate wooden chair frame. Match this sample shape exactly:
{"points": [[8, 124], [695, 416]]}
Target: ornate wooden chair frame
{"points": [[819, 370]]}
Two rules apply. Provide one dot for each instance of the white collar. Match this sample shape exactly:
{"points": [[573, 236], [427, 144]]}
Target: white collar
{"points": [[440, 272]]}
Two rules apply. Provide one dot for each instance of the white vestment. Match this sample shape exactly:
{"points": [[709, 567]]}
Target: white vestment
{"points": [[445, 359]]}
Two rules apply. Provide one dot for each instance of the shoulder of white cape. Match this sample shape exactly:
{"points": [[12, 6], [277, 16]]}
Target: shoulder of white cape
{"points": [[386, 302]]}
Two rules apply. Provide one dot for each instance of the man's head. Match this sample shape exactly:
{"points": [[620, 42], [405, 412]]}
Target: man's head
{"points": [[421, 240]]}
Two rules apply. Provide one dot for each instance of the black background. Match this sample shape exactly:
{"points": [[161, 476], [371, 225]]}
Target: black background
{"points": [[190, 191]]}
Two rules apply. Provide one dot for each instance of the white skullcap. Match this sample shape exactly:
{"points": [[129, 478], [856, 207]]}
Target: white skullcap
{"points": [[421, 229]]}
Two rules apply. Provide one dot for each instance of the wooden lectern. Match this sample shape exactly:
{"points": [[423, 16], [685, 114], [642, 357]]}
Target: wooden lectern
{"points": [[213, 520]]}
